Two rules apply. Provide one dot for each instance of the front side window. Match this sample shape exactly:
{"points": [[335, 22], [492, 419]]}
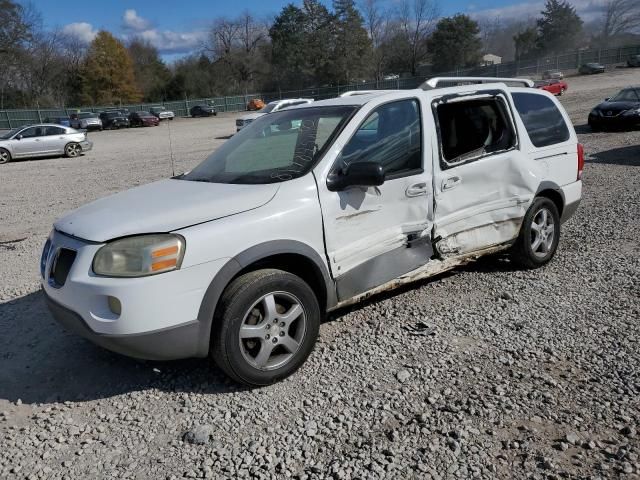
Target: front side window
{"points": [[471, 129], [274, 148], [391, 135], [542, 119], [32, 132]]}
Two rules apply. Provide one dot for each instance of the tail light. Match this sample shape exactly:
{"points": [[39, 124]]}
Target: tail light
{"points": [[580, 160]]}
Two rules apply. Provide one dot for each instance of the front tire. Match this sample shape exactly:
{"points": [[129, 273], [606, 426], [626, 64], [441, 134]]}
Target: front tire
{"points": [[72, 150], [265, 327], [5, 156], [539, 235]]}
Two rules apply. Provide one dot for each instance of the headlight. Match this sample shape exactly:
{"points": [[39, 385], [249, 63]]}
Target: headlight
{"points": [[45, 256], [595, 112], [140, 256]]}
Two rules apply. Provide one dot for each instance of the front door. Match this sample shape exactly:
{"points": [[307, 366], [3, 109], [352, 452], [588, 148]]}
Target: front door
{"points": [[482, 182], [373, 235], [31, 142]]}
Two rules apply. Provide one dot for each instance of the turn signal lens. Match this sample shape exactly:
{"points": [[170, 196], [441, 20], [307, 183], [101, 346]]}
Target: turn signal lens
{"points": [[140, 256]]}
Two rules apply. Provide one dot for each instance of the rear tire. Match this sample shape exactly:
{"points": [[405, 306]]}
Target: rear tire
{"points": [[5, 156], [265, 327], [539, 235], [72, 150]]}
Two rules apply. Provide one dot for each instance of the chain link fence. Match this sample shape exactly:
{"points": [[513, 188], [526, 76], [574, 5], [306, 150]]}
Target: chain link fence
{"points": [[567, 63]]}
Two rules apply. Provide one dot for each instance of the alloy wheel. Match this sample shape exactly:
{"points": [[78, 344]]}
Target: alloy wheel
{"points": [[272, 330], [542, 233]]}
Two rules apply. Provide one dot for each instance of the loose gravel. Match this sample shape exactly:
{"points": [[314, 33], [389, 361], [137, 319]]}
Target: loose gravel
{"points": [[487, 372]]}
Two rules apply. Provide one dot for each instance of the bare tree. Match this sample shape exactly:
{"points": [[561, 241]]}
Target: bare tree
{"points": [[417, 19], [222, 38], [377, 25], [620, 16]]}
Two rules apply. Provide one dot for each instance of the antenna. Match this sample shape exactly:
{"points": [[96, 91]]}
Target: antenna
{"points": [[173, 168]]}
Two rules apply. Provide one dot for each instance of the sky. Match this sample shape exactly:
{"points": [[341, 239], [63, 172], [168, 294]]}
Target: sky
{"points": [[179, 27]]}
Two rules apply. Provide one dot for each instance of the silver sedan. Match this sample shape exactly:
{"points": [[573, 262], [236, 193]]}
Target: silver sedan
{"points": [[42, 140]]}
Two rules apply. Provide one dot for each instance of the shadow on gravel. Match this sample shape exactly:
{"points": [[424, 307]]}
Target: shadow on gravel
{"points": [[629, 156], [41, 363]]}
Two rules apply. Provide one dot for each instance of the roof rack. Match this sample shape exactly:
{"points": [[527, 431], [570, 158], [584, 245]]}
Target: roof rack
{"points": [[351, 93], [455, 81]]}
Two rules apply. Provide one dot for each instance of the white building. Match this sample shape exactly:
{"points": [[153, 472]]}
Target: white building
{"points": [[491, 59]]}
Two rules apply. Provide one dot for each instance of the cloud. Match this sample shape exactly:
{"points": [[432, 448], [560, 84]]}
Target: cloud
{"points": [[588, 10], [83, 31], [131, 21], [168, 41]]}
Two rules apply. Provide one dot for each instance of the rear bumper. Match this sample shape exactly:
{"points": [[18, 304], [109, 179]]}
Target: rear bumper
{"points": [[572, 194], [167, 344]]}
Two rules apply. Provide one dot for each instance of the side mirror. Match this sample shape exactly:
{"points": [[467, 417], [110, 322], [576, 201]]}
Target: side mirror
{"points": [[360, 174], [18, 137], [606, 99]]}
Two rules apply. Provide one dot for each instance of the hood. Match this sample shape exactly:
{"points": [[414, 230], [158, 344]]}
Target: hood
{"points": [[162, 206], [617, 107]]}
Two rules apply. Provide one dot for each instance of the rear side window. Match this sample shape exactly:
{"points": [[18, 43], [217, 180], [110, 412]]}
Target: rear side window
{"points": [[542, 119], [55, 131], [472, 129]]}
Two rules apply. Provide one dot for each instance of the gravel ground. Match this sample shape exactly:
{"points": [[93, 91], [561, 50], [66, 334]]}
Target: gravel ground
{"points": [[518, 374]]}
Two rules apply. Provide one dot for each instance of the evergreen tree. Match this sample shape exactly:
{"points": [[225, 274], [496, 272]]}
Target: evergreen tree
{"points": [[353, 45], [559, 28], [108, 76], [150, 72], [525, 43], [455, 43]]}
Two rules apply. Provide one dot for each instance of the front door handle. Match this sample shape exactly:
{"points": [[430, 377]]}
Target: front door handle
{"points": [[416, 189], [451, 182]]}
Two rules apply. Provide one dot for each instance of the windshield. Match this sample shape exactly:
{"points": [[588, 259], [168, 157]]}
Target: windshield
{"points": [[274, 148], [268, 109], [628, 95], [87, 115], [10, 133]]}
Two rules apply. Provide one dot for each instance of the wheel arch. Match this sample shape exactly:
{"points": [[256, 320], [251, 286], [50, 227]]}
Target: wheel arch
{"points": [[288, 255], [554, 193]]}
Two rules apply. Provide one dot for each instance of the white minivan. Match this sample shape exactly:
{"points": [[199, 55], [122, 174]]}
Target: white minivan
{"points": [[310, 209]]}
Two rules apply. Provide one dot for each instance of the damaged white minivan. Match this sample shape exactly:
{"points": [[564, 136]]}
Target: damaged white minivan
{"points": [[310, 209]]}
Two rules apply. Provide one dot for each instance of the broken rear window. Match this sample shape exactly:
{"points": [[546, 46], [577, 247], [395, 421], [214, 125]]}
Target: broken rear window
{"points": [[471, 129]]}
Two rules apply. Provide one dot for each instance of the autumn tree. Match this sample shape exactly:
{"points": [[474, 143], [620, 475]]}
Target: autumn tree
{"points": [[108, 75], [455, 43]]}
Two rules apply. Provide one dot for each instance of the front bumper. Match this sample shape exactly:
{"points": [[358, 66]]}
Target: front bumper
{"points": [[86, 145], [168, 344], [621, 121], [159, 314]]}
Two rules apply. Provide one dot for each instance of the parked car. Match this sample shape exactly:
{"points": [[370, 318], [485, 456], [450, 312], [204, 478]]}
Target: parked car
{"points": [[633, 61], [162, 113], [64, 121], [114, 119], [552, 75], [143, 119], [46, 139], [269, 108], [255, 104], [202, 111], [392, 76], [619, 111], [85, 121], [591, 68], [555, 87], [309, 209]]}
